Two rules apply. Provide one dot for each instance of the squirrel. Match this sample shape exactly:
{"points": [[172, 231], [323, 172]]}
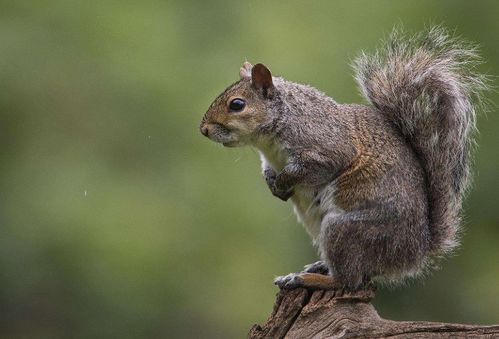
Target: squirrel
{"points": [[378, 187]]}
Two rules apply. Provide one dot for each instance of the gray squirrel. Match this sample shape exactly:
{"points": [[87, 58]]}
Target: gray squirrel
{"points": [[379, 188]]}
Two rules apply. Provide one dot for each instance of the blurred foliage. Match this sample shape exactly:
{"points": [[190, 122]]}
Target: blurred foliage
{"points": [[119, 220]]}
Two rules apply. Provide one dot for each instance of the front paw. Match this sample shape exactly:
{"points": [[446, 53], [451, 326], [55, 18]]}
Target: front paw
{"points": [[270, 178], [269, 175], [284, 195]]}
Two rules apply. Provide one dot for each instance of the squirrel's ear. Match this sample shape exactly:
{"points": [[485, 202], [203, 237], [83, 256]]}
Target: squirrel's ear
{"points": [[245, 71], [262, 79]]}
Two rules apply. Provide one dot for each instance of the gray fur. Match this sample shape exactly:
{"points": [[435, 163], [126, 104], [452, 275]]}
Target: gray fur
{"points": [[428, 86], [380, 188]]}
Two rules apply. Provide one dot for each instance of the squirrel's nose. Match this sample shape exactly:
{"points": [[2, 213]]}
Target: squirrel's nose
{"points": [[204, 130]]}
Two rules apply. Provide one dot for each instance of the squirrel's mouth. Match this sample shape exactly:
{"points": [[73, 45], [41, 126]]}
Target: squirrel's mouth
{"points": [[223, 135]]}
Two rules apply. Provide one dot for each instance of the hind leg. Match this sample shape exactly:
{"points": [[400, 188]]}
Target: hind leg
{"points": [[344, 246], [361, 245]]}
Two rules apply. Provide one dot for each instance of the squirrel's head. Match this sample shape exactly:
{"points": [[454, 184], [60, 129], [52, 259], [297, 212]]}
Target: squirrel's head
{"points": [[236, 116]]}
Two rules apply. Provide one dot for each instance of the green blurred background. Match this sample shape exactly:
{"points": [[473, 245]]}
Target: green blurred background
{"points": [[119, 220]]}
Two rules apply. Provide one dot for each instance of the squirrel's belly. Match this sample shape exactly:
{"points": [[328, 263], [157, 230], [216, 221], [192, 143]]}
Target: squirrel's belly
{"points": [[312, 204]]}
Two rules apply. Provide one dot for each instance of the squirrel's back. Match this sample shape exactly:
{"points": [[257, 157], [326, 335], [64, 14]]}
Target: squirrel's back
{"points": [[427, 85]]}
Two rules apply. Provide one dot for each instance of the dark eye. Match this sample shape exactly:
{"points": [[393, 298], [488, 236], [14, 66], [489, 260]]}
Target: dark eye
{"points": [[237, 105]]}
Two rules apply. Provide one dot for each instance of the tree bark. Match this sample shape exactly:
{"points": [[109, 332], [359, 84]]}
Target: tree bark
{"points": [[302, 313]]}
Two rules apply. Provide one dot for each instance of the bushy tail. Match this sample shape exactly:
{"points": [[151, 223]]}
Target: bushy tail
{"points": [[428, 85]]}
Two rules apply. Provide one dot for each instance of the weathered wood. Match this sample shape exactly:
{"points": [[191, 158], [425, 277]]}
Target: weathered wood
{"points": [[301, 313]]}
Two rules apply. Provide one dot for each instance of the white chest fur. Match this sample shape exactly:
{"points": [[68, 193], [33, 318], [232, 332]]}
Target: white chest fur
{"points": [[272, 155]]}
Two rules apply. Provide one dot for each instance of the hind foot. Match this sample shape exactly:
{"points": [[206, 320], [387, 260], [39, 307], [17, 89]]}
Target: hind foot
{"points": [[314, 281]]}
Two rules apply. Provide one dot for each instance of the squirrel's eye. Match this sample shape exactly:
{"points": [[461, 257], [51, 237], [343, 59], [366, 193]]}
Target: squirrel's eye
{"points": [[237, 105]]}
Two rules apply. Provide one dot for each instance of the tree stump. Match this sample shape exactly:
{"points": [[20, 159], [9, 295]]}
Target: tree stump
{"points": [[302, 313]]}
